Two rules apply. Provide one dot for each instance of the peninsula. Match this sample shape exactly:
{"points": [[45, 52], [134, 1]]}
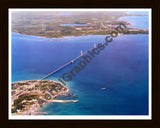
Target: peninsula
{"points": [[29, 96], [57, 24]]}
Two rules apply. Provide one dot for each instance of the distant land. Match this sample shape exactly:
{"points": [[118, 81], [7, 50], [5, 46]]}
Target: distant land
{"points": [[57, 24]]}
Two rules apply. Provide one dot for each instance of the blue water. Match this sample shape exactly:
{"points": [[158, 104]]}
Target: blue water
{"points": [[121, 68], [141, 22], [73, 25], [28, 26], [139, 12]]}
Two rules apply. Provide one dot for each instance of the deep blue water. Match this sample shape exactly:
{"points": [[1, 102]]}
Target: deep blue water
{"points": [[121, 68]]}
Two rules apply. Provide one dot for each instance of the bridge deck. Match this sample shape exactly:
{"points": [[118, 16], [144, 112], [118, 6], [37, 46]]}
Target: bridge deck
{"points": [[64, 65]]}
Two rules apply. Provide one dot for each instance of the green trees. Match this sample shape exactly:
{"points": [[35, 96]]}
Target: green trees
{"points": [[18, 102]]}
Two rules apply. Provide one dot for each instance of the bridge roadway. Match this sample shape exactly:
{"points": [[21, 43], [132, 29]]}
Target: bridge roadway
{"points": [[65, 64]]}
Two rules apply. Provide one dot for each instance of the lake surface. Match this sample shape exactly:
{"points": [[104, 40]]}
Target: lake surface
{"points": [[138, 12], [29, 26], [73, 25], [121, 68], [141, 22], [115, 82]]}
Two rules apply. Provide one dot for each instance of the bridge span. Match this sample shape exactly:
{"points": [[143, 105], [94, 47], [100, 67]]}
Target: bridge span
{"points": [[66, 64]]}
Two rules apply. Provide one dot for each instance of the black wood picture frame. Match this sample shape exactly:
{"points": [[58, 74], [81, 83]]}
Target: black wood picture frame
{"points": [[153, 4]]}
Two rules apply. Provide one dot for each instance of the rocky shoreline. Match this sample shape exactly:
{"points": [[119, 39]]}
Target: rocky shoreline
{"points": [[29, 96]]}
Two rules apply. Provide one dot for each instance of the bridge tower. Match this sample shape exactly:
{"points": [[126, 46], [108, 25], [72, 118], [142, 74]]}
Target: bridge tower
{"points": [[81, 53]]}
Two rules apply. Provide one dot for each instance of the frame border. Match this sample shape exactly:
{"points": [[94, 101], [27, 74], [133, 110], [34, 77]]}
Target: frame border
{"points": [[84, 117], [154, 4]]}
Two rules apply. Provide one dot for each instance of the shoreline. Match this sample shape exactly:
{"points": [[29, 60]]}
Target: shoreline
{"points": [[94, 27], [74, 35], [28, 97]]}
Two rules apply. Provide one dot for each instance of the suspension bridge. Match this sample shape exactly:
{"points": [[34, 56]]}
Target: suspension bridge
{"points": [[65, 65]]}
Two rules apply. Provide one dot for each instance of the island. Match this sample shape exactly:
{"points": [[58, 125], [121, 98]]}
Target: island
{"points": [[29, 96]]}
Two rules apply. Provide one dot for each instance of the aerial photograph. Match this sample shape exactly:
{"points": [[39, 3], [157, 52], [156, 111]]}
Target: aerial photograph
{"points": [[79, 62]]}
